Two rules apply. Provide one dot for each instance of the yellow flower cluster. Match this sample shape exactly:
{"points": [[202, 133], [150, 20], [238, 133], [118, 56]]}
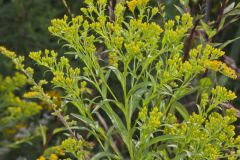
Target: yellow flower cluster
{"points": [[155, 118], [46, 58], [12, 55], [53, 153], [149, 30], [169, 24], [206, 58], [7, 53], [204, 100], [227, 133], [141, 38], [119, 13], [221, 94], [60, 151], [143, 113], [213, 151], [133, 48], [210, 138], [231, 113], [15, 108], [9, 84], [59, 26], [78, 148], [84, 88], [58, 68], [113, 59], [152, 121], [173, 126], [51, 157], [219, 66], [24, 109], [206, 53], [41, 158], [132, 4], [89, 8], [212, 53], [118, 41], [31, 94], [68, 31], [68, 80], [102, 2], [173, 35], [56, 99], [196, 119], [175, 68]]}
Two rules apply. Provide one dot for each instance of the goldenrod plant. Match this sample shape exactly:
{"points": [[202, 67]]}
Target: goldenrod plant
{"points": [[15, 114], [145, 114]]}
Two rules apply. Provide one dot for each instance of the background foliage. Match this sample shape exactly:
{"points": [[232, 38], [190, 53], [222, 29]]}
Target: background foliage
{"points": [[24, 28]]}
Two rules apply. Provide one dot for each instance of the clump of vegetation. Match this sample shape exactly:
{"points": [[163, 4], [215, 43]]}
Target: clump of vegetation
{"points": [[146, 62], [15, 113]]}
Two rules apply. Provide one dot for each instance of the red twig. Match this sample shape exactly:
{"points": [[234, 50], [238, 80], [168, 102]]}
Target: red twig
{"points": [[189, 41], [221, 14]]}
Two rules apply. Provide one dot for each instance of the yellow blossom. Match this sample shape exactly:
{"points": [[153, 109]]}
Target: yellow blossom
{"points": [[53, 157], [102, 2], [229, 72], [60, 151], [10, 54], [131, 5], [222, 94], [155, 118], [213, 53], [204, 100], [187, 20], [41, 158], [20, 125], [169, 25], [113, 59], [154, 11], [143, 113], [10, 131], [139, 3], [142, 2], [221, 67], [7, 53], [32, 94], [177, 18]]}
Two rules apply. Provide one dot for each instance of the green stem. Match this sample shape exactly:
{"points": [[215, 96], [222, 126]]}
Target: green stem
{"points": [[127, 114]]}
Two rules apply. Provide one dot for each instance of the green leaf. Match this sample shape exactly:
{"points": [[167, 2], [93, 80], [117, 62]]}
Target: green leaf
{"points": [[120, 77], [105, 101], [166, 90], [181, 92], [135, 95], [228, 42], [101, 155], [43, 134], [140, 86], [209, 31], [182, 110], [116, 120], [180, 10], [63, 129], [104, 88], [205, 85], [162, 139], [86, 120], [229, 8]]}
